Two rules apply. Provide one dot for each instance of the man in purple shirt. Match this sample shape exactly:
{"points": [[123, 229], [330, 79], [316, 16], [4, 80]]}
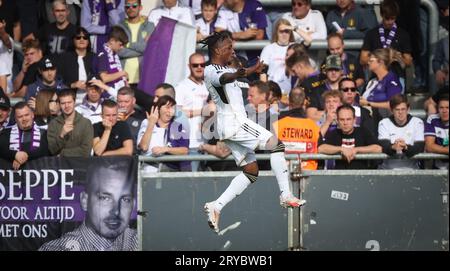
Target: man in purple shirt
{"points": [[251, 25], [436, 132], [98, 16], [108, 62]]}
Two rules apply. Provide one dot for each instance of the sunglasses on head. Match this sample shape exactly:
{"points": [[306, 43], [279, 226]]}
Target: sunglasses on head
{"points": [[135, 5], [348, 89], [286, 31], [81, 37], [197, 65]]}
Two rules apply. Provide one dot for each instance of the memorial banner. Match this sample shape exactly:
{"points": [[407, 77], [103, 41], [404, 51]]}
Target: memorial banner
{"points": [[59, 204]]}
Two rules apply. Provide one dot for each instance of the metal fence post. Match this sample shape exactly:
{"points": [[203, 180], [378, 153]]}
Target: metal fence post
{"points": [[433, 38]]}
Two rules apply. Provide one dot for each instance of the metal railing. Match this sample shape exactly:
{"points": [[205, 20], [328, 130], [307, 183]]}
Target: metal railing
{"points": [[303, 156]]}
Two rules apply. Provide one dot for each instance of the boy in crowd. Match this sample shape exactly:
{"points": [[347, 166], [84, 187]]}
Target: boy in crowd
{"points": [[108, 64]]}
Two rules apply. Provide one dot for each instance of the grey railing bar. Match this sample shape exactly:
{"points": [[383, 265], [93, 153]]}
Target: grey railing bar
{"points": [[260, 44], [304, 156]]}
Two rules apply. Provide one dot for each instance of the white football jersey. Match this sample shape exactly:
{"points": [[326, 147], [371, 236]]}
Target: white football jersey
{"points": [[412, 132], [231, 112]]}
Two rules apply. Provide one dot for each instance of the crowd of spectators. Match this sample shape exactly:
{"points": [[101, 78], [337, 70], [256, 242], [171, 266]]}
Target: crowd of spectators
{"points": [[77, 81]]}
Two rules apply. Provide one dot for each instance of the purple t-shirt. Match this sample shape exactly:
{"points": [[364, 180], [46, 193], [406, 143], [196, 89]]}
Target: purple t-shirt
{"points": [[435, 127], [253, 13], [100, 16], [177, 137], [382, 91], [109, 62]]}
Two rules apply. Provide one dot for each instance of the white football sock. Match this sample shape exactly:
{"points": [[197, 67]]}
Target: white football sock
{"points": [[279, 167], [236, 187]]}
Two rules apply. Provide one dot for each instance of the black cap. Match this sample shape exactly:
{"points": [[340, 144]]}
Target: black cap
{"points": [[4, 100], [47, 64]]}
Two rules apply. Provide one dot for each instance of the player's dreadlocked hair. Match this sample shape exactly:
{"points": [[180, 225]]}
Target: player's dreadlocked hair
{"points": [[214, 40]]}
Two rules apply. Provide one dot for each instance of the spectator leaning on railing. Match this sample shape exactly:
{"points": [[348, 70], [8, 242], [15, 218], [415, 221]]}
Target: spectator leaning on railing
{"points": [[350, 95], [160, 135], [138, 30], [401, 135], [436, 132], [348, 141], [308, 24]]}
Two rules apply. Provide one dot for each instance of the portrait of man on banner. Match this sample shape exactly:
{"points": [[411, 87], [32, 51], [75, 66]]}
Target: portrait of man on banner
{"points": [[108, 201]]}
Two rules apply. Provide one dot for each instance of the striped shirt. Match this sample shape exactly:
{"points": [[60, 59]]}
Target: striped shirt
{"points": [[85, 239]]}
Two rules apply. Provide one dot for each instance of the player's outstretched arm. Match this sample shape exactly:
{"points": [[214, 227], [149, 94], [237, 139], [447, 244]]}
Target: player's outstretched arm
{"points": [[242, 73]]}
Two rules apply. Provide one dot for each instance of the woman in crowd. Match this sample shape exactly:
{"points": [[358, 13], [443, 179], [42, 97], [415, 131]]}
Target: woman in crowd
{"points": [[75, 66], [161, 135], [384, 85], [274, 54], [46, 107]]}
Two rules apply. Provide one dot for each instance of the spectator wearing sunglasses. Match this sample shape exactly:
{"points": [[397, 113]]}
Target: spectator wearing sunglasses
{"points": [[350, 95], [46, 107], [306, 22], [274, 55], [76, 65], [191, 96], [138, 30], [401, 135]]}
